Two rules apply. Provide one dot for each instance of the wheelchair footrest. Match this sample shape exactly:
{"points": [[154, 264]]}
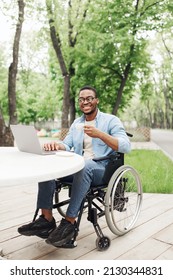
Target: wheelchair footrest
{"points": [[69, 245]]}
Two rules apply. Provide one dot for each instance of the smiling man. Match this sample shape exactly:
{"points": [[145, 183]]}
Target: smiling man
{"points": [[94, 134]]}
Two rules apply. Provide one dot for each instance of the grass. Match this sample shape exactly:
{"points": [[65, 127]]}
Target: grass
{"points": [[155, 170]]}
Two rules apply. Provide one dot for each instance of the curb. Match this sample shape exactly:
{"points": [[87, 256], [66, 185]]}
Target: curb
{"points": [[149, 146]]}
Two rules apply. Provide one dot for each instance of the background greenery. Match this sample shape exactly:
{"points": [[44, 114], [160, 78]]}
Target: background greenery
{"points": [[114, 45], [154, 168]]}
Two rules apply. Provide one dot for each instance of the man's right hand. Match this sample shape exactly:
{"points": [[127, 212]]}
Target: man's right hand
{"points": [[52, 146]]}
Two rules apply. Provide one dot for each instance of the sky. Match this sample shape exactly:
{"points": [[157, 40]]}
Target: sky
{"points": [[7, 32], [6, 29]]}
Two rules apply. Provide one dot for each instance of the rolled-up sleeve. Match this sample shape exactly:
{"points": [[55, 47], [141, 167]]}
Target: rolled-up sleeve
{"points": [[124, 145], [118, 131]]}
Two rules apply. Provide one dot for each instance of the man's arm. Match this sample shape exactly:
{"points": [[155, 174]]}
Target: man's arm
{"points": [[109, 140], [112, 141]]}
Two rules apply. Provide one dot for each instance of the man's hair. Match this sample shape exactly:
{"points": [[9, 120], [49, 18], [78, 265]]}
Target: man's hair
{"points": [[90, 88]]}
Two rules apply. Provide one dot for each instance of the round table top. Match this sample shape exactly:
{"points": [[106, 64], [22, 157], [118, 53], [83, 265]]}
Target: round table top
{"points": [[25, 168]]}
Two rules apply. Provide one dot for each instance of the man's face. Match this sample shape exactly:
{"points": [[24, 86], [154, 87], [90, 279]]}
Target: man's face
{"points": [[87, 101]]}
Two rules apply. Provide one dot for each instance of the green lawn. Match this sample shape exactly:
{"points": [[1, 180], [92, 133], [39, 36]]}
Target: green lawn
{"points": [[154, 168]]}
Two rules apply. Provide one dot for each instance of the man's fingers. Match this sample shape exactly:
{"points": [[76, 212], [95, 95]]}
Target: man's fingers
{"points": [[51, 146]]}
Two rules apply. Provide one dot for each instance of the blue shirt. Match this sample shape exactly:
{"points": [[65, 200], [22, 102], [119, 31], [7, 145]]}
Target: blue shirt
{"points": [[107, 123]]}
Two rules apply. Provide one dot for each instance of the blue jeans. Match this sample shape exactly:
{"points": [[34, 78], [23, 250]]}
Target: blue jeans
{"points": [[90, 175]]}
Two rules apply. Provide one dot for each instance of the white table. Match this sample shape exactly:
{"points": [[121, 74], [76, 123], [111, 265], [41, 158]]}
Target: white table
{"points": [[19, 168]]}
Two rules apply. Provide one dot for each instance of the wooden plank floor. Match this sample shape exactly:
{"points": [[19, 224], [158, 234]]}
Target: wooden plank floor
{"points": [[151, 238]]}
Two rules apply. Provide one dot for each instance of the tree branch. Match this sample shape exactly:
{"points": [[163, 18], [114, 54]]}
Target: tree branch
{"points": [[166, 47], [148, 7]]}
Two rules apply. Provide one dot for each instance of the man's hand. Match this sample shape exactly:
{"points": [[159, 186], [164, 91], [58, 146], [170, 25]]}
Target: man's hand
{"points": [[52, 146], [106, 138], [92, 131]]}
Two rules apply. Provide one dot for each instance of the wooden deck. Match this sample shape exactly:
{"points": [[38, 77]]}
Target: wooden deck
{"points": [[151, 239]]}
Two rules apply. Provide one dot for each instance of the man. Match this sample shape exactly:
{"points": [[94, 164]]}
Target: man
{"points": [[94, 134]]}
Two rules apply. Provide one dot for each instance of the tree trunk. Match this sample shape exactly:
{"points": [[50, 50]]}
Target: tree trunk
{"points": [[67, 73], [6, 138], [66, 94], [57, 47], [72, 110], [127, 69], [121, 88], [14, 65], [66, 105], [72, 96], [72, 38]]}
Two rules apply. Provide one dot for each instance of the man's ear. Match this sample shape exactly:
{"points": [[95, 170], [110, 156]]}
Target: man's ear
{"points": [[97, 101]]}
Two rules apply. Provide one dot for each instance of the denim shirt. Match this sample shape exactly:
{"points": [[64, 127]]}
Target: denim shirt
{"points": [[107, 123]]}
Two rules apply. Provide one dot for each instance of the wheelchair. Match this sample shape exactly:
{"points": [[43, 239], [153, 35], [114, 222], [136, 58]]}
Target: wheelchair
{"points": [[119, 201]]}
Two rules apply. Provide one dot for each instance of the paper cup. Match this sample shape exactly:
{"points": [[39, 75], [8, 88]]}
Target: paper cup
{"points": [[79, 126]]}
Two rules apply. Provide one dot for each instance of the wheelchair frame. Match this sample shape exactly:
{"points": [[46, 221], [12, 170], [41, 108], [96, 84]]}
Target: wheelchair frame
{"points": [[120, 201]]}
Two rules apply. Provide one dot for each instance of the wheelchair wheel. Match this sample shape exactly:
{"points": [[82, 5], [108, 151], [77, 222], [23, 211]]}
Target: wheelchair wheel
{"points": [[103, 243], [123, 200], [62, 199]]}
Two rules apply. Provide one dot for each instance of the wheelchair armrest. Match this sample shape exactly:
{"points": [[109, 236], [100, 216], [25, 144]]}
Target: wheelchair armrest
{"points": [[101, 158], [129, 134], [115, 156]]}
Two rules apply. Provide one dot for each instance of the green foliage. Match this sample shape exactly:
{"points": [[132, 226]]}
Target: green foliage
{"points": [[110, 35], [154, 168], [38, 100], [105, 48], [3, 85]]}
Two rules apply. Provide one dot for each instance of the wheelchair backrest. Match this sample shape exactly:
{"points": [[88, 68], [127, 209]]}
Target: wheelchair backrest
{"points": [[114, 163]]}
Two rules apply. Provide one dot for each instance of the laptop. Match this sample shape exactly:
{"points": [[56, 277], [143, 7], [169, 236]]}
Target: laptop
{"points": [[27, 140]]}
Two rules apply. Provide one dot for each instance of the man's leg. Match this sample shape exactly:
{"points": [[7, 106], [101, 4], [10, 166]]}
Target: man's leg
{"points": [[45, 196], [44, 225], [91, 174]]}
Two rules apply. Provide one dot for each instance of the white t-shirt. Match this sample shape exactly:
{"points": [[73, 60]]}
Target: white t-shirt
{"points": [[87, 145]]}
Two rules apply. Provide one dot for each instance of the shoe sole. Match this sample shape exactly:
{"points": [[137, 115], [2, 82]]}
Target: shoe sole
{"points": [[61, 242], [43, 234]]}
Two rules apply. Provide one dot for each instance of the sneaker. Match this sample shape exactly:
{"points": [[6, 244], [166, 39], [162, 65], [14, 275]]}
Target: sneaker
{"points": [[40, 227], [62, 234]]}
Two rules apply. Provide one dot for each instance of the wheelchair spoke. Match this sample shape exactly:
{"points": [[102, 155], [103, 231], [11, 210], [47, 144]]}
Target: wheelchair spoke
{"points": [[123, 200]]}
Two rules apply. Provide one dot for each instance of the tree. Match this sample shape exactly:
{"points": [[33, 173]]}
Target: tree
{"points": [[5, 132], [102, 43], [113, 47], [75, 15]]}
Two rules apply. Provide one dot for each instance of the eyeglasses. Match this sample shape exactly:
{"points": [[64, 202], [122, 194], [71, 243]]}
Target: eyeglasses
{"points": [[87, 99]]}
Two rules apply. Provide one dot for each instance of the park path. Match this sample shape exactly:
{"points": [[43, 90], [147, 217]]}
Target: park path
{"points": [[164, 139]]}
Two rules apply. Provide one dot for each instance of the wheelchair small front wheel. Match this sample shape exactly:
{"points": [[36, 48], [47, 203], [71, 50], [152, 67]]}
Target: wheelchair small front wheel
{"points": [[123, 200], [103, 243]]}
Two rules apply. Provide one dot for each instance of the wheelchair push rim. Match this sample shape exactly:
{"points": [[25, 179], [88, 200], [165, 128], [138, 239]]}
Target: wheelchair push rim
{"points": [[123, 200]]}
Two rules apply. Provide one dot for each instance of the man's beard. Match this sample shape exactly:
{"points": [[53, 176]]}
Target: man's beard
{"points": [[91, 112]]}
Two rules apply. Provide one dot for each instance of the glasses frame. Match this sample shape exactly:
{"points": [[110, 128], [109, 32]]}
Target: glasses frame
{"points": [[89, 99]]}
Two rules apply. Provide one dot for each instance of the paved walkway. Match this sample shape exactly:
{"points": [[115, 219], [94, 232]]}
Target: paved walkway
{"points": [[163, 138], [150, 146], [145, 145]]}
